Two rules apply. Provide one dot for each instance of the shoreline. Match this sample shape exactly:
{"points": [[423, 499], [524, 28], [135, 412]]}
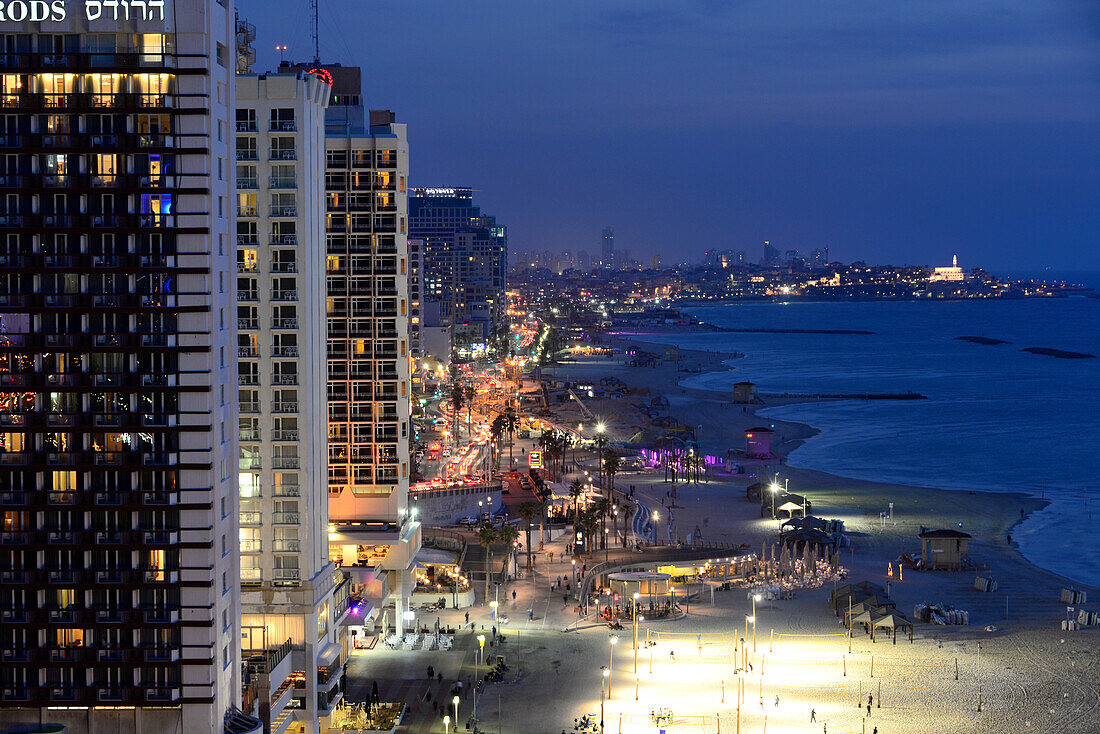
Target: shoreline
{"points": [[991, 516]]}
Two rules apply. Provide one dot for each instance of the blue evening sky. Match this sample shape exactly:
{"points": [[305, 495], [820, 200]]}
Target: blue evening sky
{"points": [[890, 131]]}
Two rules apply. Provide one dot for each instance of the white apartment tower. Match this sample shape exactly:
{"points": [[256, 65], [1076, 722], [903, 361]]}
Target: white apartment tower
{"points": [[293, 600], [372, 535], [119, 601]]}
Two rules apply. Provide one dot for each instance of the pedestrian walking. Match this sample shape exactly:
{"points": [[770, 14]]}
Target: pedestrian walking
{"points": [[868, 711], [870, 699], [813, 716], [467, 617], [777, 701], [825, 728], [431, 672], [513, 594], [875, 731]]}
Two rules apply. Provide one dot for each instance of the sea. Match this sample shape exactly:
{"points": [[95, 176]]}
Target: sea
{"points": [[996, 418]]}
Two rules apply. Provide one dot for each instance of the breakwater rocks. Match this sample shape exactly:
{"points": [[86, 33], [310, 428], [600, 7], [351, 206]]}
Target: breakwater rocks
{"points": [[848, 396], [981, 340], [1059, 353]]}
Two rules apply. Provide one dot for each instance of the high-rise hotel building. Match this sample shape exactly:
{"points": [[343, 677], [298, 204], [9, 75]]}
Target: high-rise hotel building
{"points": [[372, 535], [119, 601], [293, 600]]}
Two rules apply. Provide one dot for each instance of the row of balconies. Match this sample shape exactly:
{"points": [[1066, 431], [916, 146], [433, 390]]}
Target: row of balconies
{"points": [[276, 351], [72, 61], [89, 458], [100, 498], [81, 143], [61, 578], [275, 211], [118, 341], [250, 463], [276, 295], [276, 518], [252, 240], [250, 126], [86, 220], [127, 182], [279, 406], [86, 102], [273, 154], [250, 324], [97, 693], [274, 182], [278, 378], [136, 536], [277, 545]]}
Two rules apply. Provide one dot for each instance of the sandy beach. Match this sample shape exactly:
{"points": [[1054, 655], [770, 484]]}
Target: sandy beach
{"points": [[1041, 678]]}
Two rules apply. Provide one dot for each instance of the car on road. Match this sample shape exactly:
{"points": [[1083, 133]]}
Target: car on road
{"points": [[468, 521]]}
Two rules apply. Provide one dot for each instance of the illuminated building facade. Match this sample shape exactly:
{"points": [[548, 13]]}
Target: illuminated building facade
{"points": [[372, 535], [119, 601], [293, 600], [465, 259]]}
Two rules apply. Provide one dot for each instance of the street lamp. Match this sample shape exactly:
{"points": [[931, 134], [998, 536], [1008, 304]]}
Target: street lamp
{"points": [[635, 623], [455, 702], [447, 724], [493, 608], [752, 619], [774, 489], [574, 573], [606, 540], [605, 674], [611, 661], [755, 598], [655, 518], [477, 664]]}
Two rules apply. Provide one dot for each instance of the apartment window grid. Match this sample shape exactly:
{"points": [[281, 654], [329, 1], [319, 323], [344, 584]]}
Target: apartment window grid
{"points": [[92, 461], [270, 513], [362, 228]]}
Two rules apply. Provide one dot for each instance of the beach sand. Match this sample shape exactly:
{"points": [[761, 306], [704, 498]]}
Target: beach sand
{"points": [[1036, 677]]}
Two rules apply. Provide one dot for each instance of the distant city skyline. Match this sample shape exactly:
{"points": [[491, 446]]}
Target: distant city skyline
{"points": [[888, 136]]}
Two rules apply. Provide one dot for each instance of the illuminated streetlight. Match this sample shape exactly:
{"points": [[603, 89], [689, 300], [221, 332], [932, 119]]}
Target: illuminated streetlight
{"points": [[755, 598], [455, 702], [447, 725], [635, 623], [775, 490], [605, 675], [611, 661]]}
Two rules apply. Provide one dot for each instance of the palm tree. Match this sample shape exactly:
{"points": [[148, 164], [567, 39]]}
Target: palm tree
{"points": [[576, 489], [511, 424], [587, 525], [497, 430], [611, 466], [603, 509], [458, 399], [529, 511], [469, 392], [486, 537], [508, 535]]}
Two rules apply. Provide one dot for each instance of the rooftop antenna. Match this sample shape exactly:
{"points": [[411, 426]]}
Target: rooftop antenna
{"points": [[316, 40]]}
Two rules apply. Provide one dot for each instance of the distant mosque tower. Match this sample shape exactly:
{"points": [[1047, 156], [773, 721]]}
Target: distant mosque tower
{"points": [[953, 274]]}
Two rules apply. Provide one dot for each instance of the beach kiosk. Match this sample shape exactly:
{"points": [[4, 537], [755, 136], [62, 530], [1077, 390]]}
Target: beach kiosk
{"points": [[758, 442], [654, 590], [744, 392], [944, 550]]}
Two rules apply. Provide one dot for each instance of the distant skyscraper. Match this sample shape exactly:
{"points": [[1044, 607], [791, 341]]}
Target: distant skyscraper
{"points": [[583, 261], [607, 248], [465, 258], [771, 255], [119, 597]]}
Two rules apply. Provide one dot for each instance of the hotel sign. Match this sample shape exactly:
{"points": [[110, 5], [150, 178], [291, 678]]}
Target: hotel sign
{"points": [[55, 11]]}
